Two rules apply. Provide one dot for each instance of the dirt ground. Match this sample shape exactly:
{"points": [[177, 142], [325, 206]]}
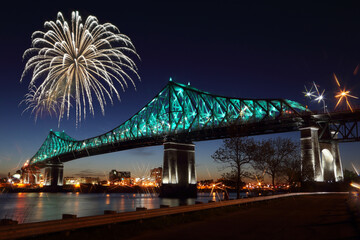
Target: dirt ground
{"points": [[306, 217]]}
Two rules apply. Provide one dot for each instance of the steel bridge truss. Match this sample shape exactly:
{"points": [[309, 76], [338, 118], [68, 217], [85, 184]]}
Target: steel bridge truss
{"points": [[177, 110], [340, 131]]}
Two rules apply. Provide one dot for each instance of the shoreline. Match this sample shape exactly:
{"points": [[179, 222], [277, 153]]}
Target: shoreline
{"points": [[122, 189], [59, 229]]}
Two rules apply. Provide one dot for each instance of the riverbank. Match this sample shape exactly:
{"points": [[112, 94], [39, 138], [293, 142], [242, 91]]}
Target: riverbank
{"points": [[90, 188], [324, 216], [303, 217], [97, 188], [82, 188]]}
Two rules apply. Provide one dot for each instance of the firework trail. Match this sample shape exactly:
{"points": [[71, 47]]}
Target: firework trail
{"points": [[75, 63]]}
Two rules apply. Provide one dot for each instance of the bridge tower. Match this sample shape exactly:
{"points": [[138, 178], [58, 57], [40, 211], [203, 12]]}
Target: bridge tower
{"points": [[179, 177], [54, 174], [30, 175], [321, 160]]}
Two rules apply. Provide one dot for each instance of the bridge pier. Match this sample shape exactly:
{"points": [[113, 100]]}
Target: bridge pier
{"points": [[179, 177], [310, 154], [320, 160], [332, 167], [30, 175], [54, 174]]}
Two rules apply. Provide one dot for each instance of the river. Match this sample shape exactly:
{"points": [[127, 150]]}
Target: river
{"points": [[36, 207]]}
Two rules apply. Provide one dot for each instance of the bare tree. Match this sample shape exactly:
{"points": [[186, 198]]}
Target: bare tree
{"points": [[235, 153], [257, 176], [292, 168], [271, 156]]}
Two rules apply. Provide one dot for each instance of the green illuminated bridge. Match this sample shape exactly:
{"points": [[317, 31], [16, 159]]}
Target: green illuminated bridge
{"points": [[179, 113]]}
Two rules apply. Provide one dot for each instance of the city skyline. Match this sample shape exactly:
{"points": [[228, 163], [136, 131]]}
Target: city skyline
{"points": [[235, 50]]}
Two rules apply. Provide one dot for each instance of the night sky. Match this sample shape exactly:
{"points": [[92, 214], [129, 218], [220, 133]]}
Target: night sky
{"points": [[248, 50]]}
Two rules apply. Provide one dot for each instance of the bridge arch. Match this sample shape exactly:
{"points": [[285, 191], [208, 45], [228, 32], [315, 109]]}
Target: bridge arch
{"points": [[321, 156], [328, 165]]}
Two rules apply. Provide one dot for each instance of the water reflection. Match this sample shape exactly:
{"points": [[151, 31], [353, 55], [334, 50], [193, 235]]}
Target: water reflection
{"points": [[35, 207], [107, 199]]}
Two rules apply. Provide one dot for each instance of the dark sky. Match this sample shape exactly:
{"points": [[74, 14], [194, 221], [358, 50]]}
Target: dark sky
{"points": [[239, 49]]}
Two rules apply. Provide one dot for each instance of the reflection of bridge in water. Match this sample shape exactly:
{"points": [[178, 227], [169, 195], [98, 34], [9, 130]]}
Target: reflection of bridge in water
{"points": [[181, 114]]}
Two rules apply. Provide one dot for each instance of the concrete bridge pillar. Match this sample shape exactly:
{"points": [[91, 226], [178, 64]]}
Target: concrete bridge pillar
{"points": [[320, 161], [310, 154], [30, 175], [179, 177], [331, 159], [25, 176], [54, 174], [339, 174]]}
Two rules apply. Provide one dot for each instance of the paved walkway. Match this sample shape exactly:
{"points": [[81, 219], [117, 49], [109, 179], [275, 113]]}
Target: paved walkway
{"points": [[301, 217]]}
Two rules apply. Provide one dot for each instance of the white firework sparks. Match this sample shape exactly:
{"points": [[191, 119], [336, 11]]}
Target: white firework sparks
{"points": [[75, 62], [320, 97], [309, 93], [40, 105]]}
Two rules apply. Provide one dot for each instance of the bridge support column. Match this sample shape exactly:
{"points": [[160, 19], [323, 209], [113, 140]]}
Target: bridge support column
{"points": [[25, 175], [54, 174], [339, 174], [320, 161], [310, 154], [331, 161], [179, 178], [30, 175]]}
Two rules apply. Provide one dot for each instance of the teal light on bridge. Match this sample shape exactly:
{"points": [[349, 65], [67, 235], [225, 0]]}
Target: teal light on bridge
{"points": [[178, 108]]}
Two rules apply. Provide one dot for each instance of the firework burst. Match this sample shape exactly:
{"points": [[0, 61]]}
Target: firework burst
{"points": [[77, 62], [343, 95], [40, 105], [309, 93], [318, 97]]}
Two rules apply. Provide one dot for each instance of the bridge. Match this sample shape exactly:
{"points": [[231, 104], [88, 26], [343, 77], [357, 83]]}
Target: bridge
{"points": [[181, 114]]}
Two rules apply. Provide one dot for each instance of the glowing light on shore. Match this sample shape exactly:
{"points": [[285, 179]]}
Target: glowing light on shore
{"points": [[343, 95], [77, 62], [355, 185]]}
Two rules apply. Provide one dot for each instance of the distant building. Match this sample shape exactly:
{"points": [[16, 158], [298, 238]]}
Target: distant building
{"points": [[84, 180], [115, 175], [207, 182], [69, 180], [156, 175], [92, 180]]}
